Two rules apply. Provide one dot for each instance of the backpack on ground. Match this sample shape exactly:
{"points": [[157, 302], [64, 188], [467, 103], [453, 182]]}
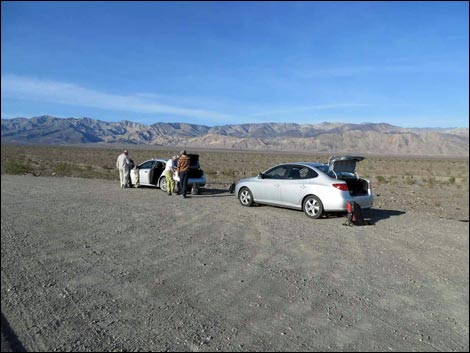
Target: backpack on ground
{"points": [[355, 215]]}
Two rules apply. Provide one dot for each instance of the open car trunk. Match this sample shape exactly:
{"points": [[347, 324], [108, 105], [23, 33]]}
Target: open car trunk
{"points": [[193, 160], [344, 168], [194, 169], [357, 187]]}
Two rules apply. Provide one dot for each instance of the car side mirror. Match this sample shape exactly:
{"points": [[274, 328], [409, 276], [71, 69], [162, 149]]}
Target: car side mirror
{"points": [[260, 176]]}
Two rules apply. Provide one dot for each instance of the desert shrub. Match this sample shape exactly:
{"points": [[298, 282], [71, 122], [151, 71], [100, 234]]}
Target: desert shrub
{"points": [[452, 180], [228, 172], [63, 169], [431, 182], [210, 172], [380, 179], [15, 167]]}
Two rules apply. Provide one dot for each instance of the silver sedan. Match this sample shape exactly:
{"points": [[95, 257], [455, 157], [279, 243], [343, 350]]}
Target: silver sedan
{"points": [[314, 188]]}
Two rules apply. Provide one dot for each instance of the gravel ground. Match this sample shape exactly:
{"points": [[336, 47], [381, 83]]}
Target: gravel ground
{"points": [[87, 266]]}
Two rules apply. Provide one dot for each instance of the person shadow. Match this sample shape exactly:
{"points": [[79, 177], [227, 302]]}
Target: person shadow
{"points": [[379, 214]]}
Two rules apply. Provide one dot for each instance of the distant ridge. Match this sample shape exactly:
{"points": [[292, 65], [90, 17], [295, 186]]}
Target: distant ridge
{"points": [[377, 138]]}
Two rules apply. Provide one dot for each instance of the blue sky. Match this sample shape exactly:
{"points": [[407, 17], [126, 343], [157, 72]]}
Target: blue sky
{"points": [[214, 63]]}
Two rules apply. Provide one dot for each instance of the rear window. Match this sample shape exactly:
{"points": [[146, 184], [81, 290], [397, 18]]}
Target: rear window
{"points": [[324, 168]]}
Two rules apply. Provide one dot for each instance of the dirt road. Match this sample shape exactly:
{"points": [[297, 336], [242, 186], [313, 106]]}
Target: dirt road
{"points": [[89, 266]]}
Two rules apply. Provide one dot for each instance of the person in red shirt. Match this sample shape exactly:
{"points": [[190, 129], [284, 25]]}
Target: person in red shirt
{"points": [[183, 171]]}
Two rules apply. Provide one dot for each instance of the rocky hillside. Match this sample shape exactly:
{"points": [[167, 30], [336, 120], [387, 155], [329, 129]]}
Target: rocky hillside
{"points": [[325, 137]]}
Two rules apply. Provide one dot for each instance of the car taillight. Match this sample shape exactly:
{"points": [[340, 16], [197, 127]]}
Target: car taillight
{"points": [[342, 187]]}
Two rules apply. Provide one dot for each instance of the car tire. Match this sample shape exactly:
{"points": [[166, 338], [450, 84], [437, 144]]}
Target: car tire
{"points": [[245, 197], [312, 207], [162, 184]]}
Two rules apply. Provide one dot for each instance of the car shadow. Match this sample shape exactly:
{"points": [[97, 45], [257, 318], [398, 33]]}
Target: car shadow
{"points": [[374, 215], [379, 214], [212, 192], [10, 341]]}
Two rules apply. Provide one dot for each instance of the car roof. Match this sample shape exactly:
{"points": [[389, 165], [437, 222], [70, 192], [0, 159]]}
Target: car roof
{"points": [[306, 164], [155, 159], [309, 164]]}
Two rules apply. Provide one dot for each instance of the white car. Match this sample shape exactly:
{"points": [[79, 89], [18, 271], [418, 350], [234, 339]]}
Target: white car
{"points": [[314, 188], [150, 173]]}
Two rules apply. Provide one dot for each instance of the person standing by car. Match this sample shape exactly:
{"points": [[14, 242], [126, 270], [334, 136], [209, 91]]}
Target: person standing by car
{"points": [[131, 167], [123, 165], [169, 170], [183, 169]]}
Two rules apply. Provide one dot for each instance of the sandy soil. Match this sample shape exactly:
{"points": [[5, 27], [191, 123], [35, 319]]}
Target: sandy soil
{"points": [[87, 266]]}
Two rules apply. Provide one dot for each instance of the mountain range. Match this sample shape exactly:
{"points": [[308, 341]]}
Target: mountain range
{"points": [[325, 137]]}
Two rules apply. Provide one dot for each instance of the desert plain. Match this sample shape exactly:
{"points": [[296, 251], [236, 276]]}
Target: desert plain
{"points": [[87, 266]]}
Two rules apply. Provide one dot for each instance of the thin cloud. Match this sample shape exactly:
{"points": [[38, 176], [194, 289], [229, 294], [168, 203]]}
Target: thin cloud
{"points": [[346, 71], [25, 88], [357, 70]]}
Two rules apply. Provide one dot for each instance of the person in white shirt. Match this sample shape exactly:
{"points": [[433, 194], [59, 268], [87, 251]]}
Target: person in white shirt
{"points": [[169, 170], [123, 164]]}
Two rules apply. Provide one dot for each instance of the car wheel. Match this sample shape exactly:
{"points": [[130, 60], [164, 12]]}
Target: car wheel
{"points": [[246, 197], [313, 207], [163, 184]]}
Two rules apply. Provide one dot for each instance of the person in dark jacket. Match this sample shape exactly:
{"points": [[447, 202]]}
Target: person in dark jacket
{"points": [[183, 171]]}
